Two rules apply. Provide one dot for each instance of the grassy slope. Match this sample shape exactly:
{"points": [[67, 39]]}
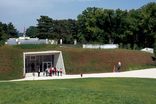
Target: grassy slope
{"points": [[10, 63], [76, 60], [80, 91], [93, 61]]}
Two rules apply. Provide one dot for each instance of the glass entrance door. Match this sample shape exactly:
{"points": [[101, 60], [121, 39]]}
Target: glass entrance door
{"points": [[46, 65]]}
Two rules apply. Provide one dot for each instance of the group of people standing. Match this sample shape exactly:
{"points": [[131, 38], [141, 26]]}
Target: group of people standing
{"points": [[52, 71]]}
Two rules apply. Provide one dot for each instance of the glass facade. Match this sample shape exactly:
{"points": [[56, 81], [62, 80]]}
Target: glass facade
{"points": [[33, 63]]}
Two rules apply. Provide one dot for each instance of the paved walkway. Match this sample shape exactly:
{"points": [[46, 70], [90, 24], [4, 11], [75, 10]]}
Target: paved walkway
{"points": [[145, 73]]}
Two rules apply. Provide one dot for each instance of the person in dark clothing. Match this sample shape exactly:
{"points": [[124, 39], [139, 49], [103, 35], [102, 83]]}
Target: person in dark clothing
{"points": [[58, 72], [38, 72], [81, 74], [46, 71], [33, 68], [55, 70]]}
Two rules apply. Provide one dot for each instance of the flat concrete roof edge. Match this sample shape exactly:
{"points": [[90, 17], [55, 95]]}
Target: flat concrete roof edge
{"points": [[41, 52]]}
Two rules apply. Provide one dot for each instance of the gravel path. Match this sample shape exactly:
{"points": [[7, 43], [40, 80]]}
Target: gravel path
{"points": [[145, 73]]}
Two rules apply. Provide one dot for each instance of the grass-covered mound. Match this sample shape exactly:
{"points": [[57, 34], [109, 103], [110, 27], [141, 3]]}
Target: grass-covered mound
{"points": [[11, 63], [80, 91], [96, 61], [77, 60]]}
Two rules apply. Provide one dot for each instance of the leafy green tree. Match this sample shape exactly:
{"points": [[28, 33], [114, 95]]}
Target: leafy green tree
{"points": [[87, 22], [57, 29], [154, 47], [148, 24], [32, 31], [3, 35], [11, 31], [44, 27], [133, 28]]}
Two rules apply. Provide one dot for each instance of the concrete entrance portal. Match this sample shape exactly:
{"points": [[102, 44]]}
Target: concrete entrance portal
{"points": [[34, 61]]}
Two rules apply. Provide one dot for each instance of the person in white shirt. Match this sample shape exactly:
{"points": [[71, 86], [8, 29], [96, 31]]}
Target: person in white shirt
{"points": [[119, 66]]}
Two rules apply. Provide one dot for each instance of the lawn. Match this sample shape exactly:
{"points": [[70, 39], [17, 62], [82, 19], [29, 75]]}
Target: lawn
{"points": [[80, 91]]}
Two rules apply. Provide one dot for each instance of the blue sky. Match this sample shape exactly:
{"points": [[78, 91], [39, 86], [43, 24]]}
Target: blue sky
{"points": [[23, 13]]}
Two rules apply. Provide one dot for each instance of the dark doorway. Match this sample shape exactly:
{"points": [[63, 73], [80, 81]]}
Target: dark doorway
{"points": [[46, 65], [35, 62], [33, 67]]}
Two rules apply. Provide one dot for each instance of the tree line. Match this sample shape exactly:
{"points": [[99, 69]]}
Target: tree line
{"points": [[134, 28]]}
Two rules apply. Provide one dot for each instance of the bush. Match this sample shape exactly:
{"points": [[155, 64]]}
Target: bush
{"points": [[135, 47], [128, 46]]}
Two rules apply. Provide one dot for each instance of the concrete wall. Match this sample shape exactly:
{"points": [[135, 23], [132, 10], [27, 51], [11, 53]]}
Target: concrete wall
{"points": [[58, 62], [24, 40], [149, 50], [98, 46]]}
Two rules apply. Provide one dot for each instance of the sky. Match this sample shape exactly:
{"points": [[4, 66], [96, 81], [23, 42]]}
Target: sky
{"points": [[24, 13]]}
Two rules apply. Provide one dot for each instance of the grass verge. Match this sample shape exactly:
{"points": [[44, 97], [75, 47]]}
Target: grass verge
{"points": [[80, 91]]}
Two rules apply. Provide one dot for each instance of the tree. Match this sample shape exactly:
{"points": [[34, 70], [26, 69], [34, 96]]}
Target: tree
{"points": [[32, 31], [11, 31], [154, 47], [44, 27], [130, 29], [3, 35], [57, 29], [88, 27], [148, 24], [133, 28]]}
